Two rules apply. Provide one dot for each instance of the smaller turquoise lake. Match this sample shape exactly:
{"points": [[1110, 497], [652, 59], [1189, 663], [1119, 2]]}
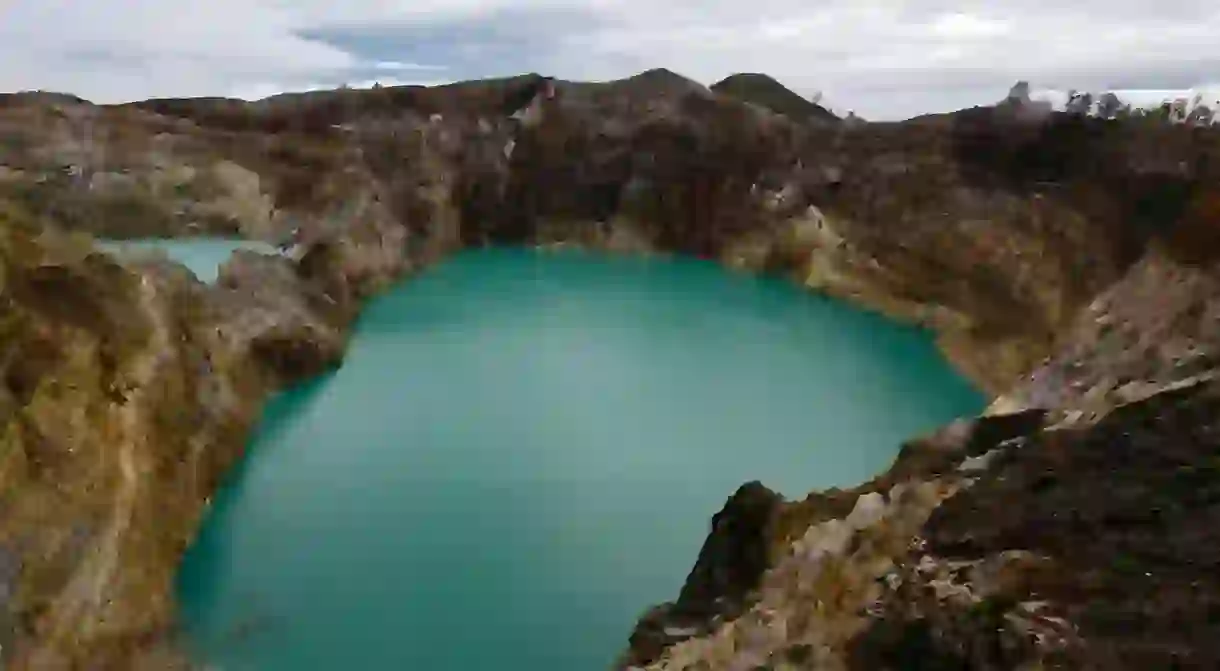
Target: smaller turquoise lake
{"points": [[202, 255], [523, 450]]}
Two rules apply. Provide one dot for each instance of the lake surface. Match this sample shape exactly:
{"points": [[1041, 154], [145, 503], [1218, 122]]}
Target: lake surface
{"points": [[203, 256], [523, 451]]}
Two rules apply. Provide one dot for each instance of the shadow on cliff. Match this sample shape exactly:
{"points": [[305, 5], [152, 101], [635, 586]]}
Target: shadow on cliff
{"points": [[688, 179]]}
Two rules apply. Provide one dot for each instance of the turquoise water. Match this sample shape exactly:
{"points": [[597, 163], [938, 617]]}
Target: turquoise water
{"points": [[203, 256], [523, 450]]}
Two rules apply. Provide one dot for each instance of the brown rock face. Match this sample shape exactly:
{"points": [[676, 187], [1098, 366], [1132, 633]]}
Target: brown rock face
{"points": [[1090, 548], [127, 393], [1066, 264]]}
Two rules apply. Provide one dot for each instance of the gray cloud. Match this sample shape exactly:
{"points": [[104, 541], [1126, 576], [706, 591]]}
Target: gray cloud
{"points": [[505, 41]]}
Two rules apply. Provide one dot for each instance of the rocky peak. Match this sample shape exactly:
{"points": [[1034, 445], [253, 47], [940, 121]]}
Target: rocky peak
{"points": [[728, 569], [1022, 106], [660, 81], [1019, 93]]}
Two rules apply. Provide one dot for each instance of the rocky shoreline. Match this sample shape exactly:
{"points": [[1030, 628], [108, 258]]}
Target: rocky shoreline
{"points": [[1067, 265]]}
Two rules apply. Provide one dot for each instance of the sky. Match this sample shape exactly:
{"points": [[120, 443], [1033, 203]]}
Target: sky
{"points": [[882, 59]]}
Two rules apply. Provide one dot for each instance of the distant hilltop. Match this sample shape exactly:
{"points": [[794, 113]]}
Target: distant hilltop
{"points": [[765, 91], [503, 95]]}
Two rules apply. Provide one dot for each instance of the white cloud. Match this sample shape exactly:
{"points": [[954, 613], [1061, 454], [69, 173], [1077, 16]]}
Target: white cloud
{"points": [[140, 48], [398, 65], [956, 25], [882, 58]]}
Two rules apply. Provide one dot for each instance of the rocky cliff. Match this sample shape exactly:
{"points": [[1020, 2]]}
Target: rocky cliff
{"points": [[1067, 265]]}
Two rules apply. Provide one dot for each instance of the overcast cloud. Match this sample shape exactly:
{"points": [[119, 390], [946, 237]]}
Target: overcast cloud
{"points": [[883, 59]]}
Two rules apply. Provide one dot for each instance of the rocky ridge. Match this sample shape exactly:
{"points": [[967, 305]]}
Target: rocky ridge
{"points": [[1066, 263]]}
